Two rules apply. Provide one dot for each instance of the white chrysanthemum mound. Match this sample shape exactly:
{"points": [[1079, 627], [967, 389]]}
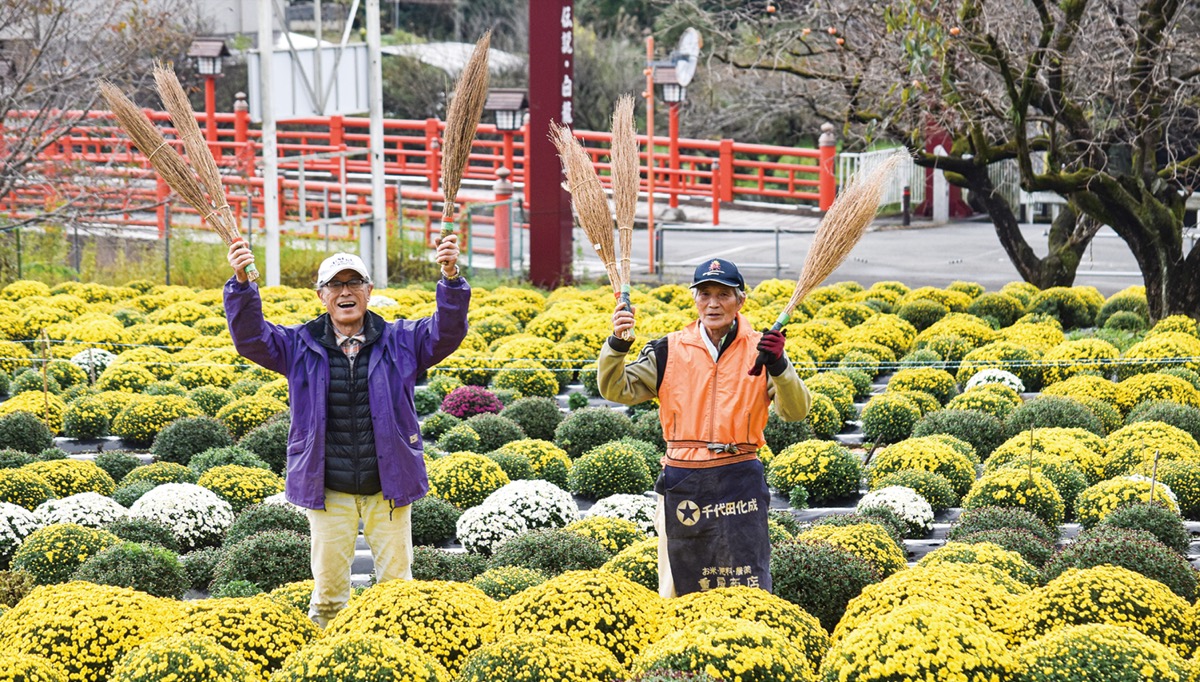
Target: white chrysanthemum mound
{"points": [[907, 503], [516, 508], [16, 523], [281, 499], [995, 376], [93, 361], [381, 301], [636, 508], [86, 509], [196, 515]]}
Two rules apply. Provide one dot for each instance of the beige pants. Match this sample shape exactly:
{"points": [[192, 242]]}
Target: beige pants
{"points": [[334, 531], [666, 582]]}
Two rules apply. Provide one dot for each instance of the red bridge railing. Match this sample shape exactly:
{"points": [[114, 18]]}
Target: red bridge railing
{"points": [[711, 171]]}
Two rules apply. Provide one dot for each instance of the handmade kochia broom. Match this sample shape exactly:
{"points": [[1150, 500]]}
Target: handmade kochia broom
{"points": [[171, 167], [470, 93], [626, 177], [587, 195], [840, 229], [184, 117]]}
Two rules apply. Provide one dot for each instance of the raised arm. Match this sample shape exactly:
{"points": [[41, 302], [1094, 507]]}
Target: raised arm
{"points": [[254, 338], [633, 383], [440, 335], [788, 391]]}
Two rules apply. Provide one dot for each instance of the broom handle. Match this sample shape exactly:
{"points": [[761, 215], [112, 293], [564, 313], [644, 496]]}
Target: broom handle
{"points": [[763, 358], [251, 270], [623, 297]]}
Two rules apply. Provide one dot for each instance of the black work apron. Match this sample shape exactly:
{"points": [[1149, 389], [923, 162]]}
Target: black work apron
{"points": [[716, 522]]}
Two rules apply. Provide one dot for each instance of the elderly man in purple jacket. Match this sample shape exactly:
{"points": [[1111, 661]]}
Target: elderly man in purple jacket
{"points": [[354, 451]]}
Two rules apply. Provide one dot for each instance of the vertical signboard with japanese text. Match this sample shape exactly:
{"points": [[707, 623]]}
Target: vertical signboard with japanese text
{"points": [[551, 99]]}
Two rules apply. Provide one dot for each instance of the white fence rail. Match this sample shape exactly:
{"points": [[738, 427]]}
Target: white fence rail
{"points": [[850, 164]]}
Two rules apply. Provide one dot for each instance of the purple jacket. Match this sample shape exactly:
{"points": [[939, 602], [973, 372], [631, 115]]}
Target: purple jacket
{"points": [[403, 351]]}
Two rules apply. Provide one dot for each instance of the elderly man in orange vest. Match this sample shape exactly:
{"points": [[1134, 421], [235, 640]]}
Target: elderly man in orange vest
{"points": [[712, 494]]}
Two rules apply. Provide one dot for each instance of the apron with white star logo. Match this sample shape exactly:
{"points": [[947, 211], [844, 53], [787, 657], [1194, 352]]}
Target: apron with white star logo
{"points": [[717, 528]]}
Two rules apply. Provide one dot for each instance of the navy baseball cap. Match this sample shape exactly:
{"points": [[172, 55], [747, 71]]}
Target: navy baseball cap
{"points": [[720, 271]]}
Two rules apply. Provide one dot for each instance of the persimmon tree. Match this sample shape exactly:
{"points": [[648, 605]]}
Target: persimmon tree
{"points": [[1097, 101]]}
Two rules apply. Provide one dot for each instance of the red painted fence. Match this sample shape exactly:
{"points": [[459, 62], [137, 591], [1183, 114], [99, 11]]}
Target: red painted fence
{"points": [[712, 171]]}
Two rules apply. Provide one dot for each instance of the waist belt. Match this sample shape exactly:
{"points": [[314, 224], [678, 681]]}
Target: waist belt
{"points": [[728, 448]]}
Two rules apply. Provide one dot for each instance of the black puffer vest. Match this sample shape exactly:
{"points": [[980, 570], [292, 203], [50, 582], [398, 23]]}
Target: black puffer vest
{"points": [[351, 465]]}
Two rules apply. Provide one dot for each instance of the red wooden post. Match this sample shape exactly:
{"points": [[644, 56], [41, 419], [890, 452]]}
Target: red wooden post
{"points": [[725, 156], [210, 110], [502, 219], [716, 192], [673, 157], [828, 179], [434, 145], [508, 150], [337, 130]]}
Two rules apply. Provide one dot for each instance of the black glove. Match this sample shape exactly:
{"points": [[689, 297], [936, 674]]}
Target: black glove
{"points": [[770, 350]]}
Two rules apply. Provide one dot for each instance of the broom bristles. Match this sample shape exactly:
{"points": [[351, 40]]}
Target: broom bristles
{"points": [[625, 177], [146, 136], [184, 117], [841, 228], [587, 195], [167, 162], [462, 120]]}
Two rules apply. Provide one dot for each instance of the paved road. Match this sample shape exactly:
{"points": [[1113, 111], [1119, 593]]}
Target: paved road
{"points": [[918, 256]]}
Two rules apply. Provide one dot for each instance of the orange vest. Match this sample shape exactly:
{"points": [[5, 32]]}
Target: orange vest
{"points": [[703, 403]]}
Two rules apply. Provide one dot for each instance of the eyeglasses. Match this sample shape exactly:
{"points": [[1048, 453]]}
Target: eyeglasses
{"points": [[353, 285]]}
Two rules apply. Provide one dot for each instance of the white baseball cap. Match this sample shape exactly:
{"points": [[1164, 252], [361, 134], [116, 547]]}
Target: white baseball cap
{"points": [[338, 262]]}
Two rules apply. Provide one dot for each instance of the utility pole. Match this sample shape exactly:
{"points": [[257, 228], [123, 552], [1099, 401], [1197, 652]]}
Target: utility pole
{"points": [[266, 52], [373, 244]]}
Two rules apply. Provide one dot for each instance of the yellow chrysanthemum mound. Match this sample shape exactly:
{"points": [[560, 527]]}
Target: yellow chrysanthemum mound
{"points": [[445, 620], [1094, 504], [917, 642], [48, 408], [1078, 445], [1105, 594], [1138, 442], [924, 454], [359, 656], [728, 649], [865, 540], [1084, 386], [1098, 652], [260, 629], [982, 593], [592, 606], [1069, 358], [141, 421], [465, 479], [1029, 490], [241, 486], [760, 606], [613, 534], [541, 656], [72, 476], [983, 553], [296, 595], [17, 667], [82, 629], [189, 658], [637, 562]]}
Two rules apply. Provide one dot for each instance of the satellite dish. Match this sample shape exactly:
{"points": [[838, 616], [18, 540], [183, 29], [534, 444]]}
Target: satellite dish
{"points": [[687, 53]]}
